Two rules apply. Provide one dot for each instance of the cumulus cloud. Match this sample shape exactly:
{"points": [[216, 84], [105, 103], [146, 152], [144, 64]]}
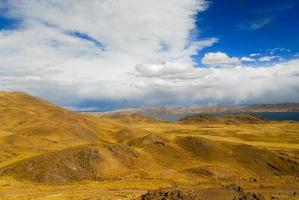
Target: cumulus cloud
{"points": [[219, 58], [254, 54], [131, 52], [247, 59], [82, 45], [239, 84], [163, 70], [267, 58]]}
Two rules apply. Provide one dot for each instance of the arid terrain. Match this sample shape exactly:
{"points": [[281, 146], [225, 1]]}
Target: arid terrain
{"points": [[47, 152]]}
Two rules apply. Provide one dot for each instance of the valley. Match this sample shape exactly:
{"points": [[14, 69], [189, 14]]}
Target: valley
{"points": [[47, 152]]}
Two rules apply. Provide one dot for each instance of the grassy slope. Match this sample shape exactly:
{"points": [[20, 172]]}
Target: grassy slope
{"points": [[44, 143], [31, 126]]}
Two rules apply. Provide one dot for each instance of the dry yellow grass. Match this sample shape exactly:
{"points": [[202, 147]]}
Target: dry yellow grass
{"points": [[122, 156]]}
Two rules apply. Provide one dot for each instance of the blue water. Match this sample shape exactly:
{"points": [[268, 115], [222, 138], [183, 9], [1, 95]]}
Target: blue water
{"points": [[274, 116], [279, 116]]}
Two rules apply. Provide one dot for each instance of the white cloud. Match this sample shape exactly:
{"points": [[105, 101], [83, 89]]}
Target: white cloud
{"points": [[278, 50], [270, 84], [267, 58], [163, 70], [219, 58], [254, 54], [131, 51], [260, 23], [131, 32], [247, 59]]}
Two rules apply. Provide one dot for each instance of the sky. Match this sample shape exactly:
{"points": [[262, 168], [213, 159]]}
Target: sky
{"points": [[111, 54]]}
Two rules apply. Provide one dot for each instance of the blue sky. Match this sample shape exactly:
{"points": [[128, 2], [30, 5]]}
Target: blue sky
{"points": [[102, 55], [243, 27], [8, 23], [251, 26]]}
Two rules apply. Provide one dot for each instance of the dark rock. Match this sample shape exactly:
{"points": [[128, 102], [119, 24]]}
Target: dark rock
{"points": [[249, 196], [275, 198], [294, 194], [235, 188], [167, 195]]}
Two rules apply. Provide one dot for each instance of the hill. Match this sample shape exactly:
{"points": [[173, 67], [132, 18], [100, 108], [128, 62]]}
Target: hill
{"points": [[222, 119], [35, 131], [152, 112], [41, 143]]}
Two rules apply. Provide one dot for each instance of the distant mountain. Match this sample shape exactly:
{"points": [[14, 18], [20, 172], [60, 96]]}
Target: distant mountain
{"points": [[282, 107]]}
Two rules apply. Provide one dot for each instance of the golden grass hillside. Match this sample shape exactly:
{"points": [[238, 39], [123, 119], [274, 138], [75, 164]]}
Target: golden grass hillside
{"points": [[122, 156], [30, 126]]}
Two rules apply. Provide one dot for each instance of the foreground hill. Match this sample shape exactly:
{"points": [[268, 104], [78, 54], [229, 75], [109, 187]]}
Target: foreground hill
{"points": [[30, 126], [120, 156]]}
